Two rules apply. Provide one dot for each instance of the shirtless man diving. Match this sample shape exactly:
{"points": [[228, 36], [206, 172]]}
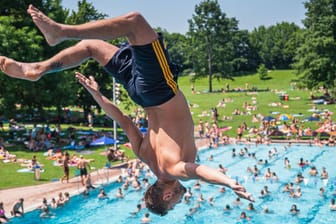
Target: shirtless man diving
{"points": [[150, 78]]}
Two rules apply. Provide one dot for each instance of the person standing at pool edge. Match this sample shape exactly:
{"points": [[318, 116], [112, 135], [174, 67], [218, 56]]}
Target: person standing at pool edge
{"points": [[143, 67]]}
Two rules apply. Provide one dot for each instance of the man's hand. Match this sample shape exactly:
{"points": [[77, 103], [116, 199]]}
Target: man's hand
{"points": [[241, 191], [211, 175], [89, 83]]}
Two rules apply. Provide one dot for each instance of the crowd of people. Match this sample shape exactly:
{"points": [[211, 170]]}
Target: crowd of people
{"points": [[172, 152], [194, 194], [205, 130], [263, 128], [17, 210], [130, 179], [262, 134], [293, 188], [47, 209], [136, 169]]}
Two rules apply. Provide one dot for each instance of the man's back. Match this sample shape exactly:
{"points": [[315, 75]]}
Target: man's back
{"points": [[82, 163], [170, 137]]}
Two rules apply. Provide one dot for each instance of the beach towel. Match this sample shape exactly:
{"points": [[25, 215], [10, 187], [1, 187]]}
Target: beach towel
{"points": [[55, 163], [28, 170]]}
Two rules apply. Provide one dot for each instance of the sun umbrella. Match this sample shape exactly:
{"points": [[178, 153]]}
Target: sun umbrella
{"points": [[285, 117], [268, 118], [312, 118], [103, 141], [225, 128]]}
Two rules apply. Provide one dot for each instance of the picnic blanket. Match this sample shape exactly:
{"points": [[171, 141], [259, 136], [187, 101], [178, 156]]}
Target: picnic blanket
{"points": [[28, 170]]}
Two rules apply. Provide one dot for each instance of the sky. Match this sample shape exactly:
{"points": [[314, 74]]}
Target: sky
{"points": [[173, 15]]}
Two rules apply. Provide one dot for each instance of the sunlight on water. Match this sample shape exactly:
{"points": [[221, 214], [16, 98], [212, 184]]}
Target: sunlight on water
{"points": [[314, 208]]}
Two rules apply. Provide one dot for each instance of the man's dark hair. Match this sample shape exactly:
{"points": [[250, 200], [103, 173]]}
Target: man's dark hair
{"points": [[154, 200]]}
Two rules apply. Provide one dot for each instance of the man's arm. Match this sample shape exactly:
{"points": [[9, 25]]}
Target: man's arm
{"points": [[87, 164], [132, 132], [211, 175]]}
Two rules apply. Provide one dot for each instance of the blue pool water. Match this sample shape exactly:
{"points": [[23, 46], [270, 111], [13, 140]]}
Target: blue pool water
{"points": [[313, 207]]}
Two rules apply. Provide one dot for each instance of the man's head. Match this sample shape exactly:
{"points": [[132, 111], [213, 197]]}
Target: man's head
{"points": [[163, 196]]}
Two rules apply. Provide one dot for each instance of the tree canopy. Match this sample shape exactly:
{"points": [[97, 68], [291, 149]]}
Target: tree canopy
{"points": [[315, 60], [214, 47], [212, 38]]}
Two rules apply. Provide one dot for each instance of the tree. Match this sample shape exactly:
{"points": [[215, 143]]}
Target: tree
{"points": [[17, 8], [315, 60], [276, 45], [26, 43], [86, 13], [244, 59], [262, 71], [212, 48], [21, 40]]}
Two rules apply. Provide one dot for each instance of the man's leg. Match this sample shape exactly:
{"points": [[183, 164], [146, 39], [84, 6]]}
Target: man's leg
{"points": [[71, 57], [132, 25]]}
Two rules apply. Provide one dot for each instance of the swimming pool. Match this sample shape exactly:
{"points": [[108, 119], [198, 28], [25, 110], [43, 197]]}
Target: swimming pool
{"points": [[313, 207]]}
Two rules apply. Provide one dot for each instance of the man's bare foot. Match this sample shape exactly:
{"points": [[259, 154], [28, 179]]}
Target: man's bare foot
{"points": [[12, 68], [49, 28]]}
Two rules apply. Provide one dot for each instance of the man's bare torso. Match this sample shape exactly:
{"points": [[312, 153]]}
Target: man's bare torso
{"points": [[170, 137]]}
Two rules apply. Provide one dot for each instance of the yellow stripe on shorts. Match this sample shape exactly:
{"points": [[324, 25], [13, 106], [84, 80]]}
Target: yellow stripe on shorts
{"points": [[168, 75]]}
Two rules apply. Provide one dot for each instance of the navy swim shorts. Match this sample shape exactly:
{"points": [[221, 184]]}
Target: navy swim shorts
{"points": [[146, 72]]}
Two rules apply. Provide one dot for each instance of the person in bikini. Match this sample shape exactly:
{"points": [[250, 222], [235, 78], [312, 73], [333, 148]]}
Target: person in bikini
{"points": [[145, 70]]}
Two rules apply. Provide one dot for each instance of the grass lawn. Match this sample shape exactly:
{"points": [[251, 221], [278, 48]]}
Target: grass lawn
{"points": [[268, 93], [279, 81], [11, 178]]}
